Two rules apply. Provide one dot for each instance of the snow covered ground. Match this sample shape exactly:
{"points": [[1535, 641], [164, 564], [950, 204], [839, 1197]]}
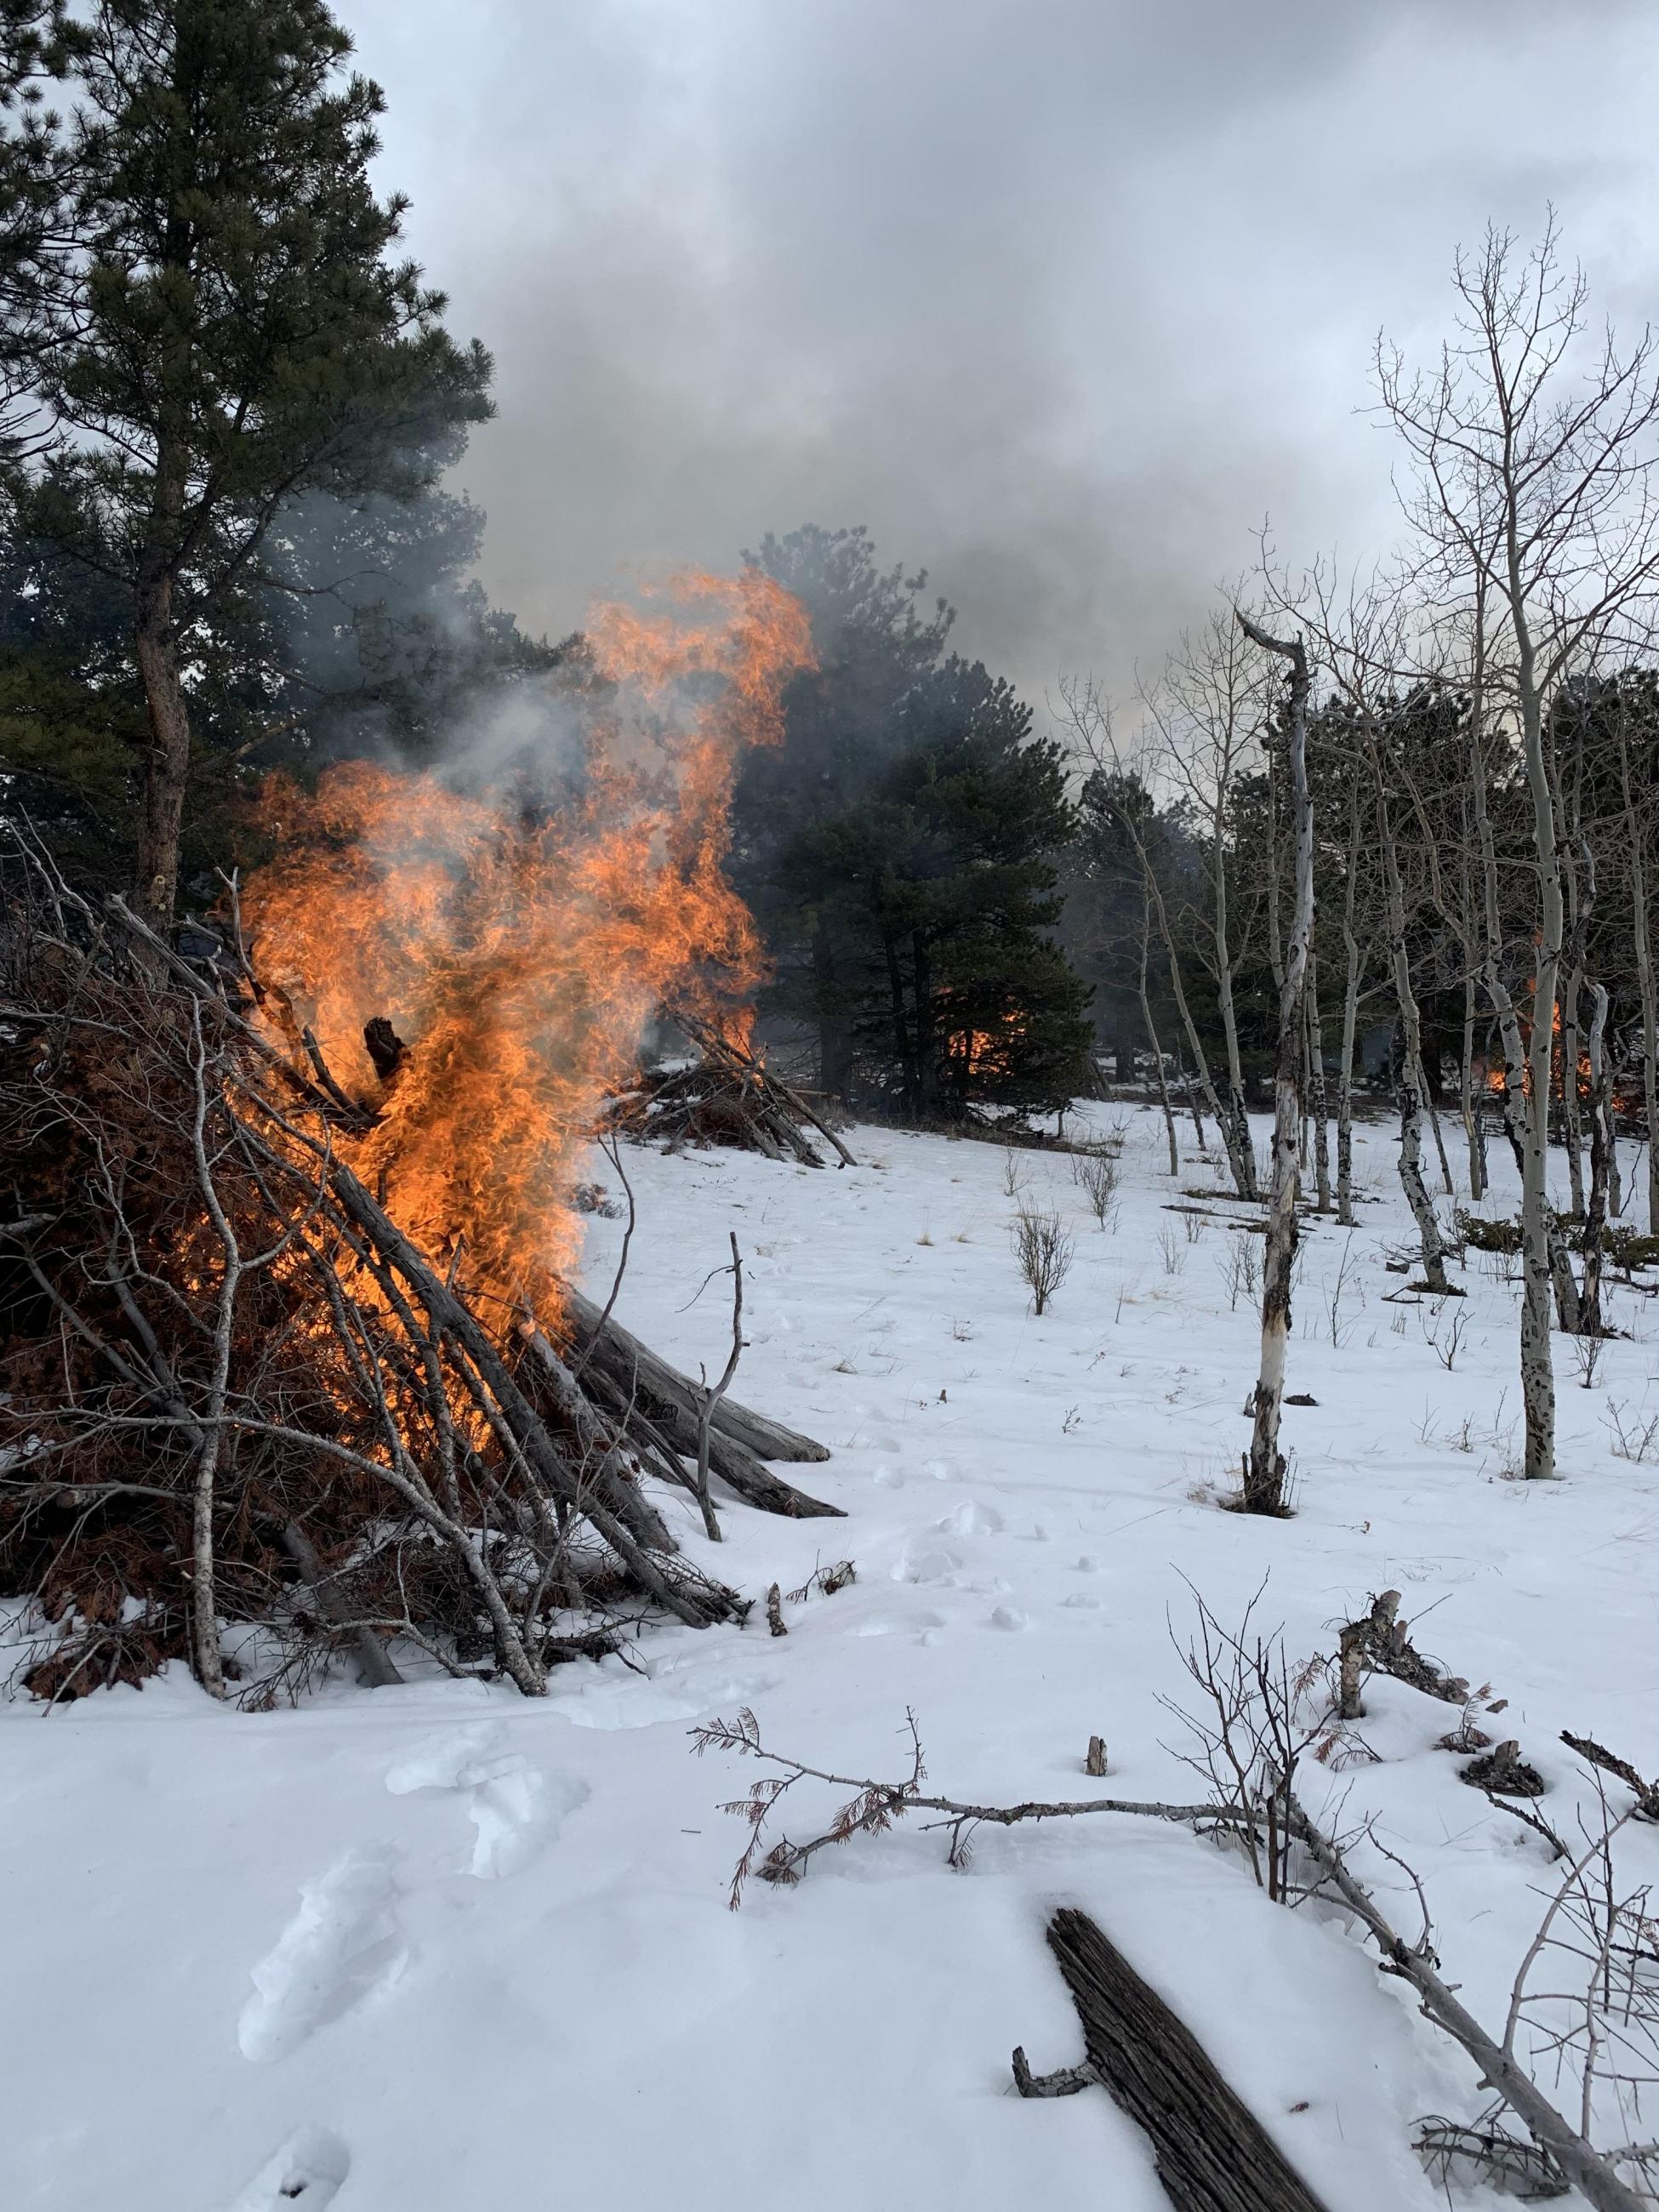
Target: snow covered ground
{"points": [[438, 1948]]}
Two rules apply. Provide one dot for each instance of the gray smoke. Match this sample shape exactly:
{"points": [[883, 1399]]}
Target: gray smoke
{"points": [[1060, 297]]}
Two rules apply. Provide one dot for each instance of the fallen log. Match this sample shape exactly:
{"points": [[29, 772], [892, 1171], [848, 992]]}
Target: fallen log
{"points": [[663, 1433], [612, 1347], [1213, 2154]]}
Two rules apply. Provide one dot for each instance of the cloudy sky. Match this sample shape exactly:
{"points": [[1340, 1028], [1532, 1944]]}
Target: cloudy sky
{"points": [[1060, 297]]}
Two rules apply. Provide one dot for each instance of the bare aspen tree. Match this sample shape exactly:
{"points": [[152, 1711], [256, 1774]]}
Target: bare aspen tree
{"points": [[1317, 1102], [1089, 717], [1207, 708], [1152, 1036], [1354, 971], [1536, 511], [1410, 1079], [1264, 1467], [1468, 934]]}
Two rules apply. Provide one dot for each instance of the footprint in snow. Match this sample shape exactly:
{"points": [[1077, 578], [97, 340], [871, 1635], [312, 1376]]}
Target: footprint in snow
{"points": [[307, 2171], [514, 1808], [971, 1519], [925, 1564], [342, 1946]]}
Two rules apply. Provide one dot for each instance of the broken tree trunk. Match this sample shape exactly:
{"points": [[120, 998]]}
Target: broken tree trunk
{"points": [[1213, 2154]]}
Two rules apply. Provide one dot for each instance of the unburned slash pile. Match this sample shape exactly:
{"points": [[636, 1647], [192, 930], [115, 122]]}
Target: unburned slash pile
{"points": [[247, 1420], [726, 1096]]}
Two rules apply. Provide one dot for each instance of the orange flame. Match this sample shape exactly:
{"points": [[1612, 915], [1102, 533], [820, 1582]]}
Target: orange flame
{"points": [[521, 953]]}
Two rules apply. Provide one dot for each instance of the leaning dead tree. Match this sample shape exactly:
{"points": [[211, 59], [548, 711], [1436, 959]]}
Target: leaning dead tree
{"points": [[1264, 1467], [247, 1420]]}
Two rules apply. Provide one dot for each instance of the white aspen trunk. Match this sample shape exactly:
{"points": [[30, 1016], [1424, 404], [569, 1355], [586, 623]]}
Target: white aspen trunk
{"points": [[1644, 983], [1473, 1127], [1410, 1075], [1537, 1366], [1152, 1039], [1240, 1151], [1318, 1100], [1573, 1115], [1264, 1466], [1602, 1146], [1449, 1187], [1354, 963]]}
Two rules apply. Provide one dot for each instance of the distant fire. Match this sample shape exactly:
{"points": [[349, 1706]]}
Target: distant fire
{"points": [[519, 952], [1498, 1078], [986, 1052]]}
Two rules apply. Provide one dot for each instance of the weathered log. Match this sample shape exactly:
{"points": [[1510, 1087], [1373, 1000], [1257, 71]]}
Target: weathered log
{"points": [[1213, 2154], [665, 1429], [616, 1348]]}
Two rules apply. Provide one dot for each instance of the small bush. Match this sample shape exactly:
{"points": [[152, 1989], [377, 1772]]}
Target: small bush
{"points": [[1043, 1251]]}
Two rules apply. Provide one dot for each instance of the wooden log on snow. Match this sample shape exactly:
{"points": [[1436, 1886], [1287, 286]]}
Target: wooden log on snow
{"points": [[663, 1432], [1213, 2154], [615, 1348]]}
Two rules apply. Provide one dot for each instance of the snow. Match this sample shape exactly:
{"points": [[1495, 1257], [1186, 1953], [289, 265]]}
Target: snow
{"points": [[439, 1948]]}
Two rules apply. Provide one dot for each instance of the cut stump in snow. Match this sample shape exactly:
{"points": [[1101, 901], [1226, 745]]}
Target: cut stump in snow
{"points": [[1213, 2154]]}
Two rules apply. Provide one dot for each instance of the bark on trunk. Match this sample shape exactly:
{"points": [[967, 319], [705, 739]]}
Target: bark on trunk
{"points": [[1409, 1064], [1264, 1469], [1635, 833], [927, 1055], [1317, 1101], [1473, 1126], [1602, 1140], [1158, 1049], [1212, 2153], [167, 757], [1427, 1090], [909, 1073], [1572, 1114], [1354, 963], [1237, 1134]]}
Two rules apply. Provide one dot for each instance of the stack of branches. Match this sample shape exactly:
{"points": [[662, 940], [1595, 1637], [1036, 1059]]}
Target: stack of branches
{"points": [[726, 1096], [243, 1418]]}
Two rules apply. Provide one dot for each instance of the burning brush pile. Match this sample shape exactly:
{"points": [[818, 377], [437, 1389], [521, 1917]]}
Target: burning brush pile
{"points": [[294, 1373]]}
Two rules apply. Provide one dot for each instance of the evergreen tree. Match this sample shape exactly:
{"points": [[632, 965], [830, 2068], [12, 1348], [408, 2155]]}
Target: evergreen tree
{"points": [[230, 335], [942, 883], [37, 45], [378, 640], [873, 644]]}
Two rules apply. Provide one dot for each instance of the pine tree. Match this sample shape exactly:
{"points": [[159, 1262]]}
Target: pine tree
{"points": [[230, 334], [842, 733], [942, 882]]}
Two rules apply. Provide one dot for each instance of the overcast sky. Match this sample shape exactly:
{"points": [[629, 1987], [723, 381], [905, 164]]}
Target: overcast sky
{"points": [[1059, 297]]}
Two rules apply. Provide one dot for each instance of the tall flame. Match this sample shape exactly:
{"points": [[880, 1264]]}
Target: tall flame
{"points": [[520, 951]]}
